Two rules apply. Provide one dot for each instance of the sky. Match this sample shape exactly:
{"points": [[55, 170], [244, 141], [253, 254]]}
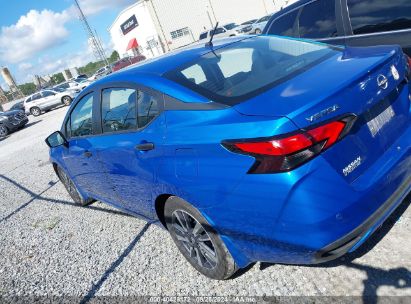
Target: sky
{"points": [[43, 37]]}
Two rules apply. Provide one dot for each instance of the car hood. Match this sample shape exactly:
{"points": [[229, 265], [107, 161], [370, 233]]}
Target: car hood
{"points": [[10, 113]]}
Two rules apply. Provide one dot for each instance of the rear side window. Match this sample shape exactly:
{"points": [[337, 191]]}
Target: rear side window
{"points": [[118, 110], [371, 16], [147, 108], [284, 25], [81, 117], [249, 67], [36, 96], [47, 93], [317, 20]]}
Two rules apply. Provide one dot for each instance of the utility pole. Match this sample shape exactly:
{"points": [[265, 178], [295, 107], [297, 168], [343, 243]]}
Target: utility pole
{"points": [[93, 40]]}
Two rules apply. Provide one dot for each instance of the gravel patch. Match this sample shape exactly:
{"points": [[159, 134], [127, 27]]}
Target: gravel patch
{"points": [[51, 247]]}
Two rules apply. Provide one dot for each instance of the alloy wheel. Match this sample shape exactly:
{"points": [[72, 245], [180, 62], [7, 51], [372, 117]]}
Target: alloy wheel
{"points": [[195, 239], [35, 111]]}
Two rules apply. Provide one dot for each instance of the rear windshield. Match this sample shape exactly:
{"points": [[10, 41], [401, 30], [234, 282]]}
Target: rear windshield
{"points": [[247, 68]]}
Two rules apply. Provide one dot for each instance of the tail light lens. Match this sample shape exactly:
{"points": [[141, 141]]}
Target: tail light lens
{"points": [[408, 67], [285, 153]]}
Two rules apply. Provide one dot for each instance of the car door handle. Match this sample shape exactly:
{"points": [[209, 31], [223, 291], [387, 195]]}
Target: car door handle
{"points": [[145, 146], [88, 154]]}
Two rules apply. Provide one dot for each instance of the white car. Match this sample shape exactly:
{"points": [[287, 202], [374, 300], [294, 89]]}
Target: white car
{"points": [[258, 26], [47, 99], [101, 73], [80, 84], [228, 30]]}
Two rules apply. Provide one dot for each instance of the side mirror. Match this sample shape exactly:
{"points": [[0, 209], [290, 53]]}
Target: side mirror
{"points": [[56, 139]]}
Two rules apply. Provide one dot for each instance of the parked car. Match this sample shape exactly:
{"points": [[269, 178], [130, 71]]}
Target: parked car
{"points": [[11, 121], [48, 99], [247, 27], [106, 70], [271, 159], [228, 30], [80, 84], [67, 85], [258, 26], [351, 22], [81, 77], [124, 62]]}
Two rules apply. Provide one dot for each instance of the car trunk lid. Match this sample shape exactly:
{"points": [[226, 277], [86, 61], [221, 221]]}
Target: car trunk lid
{"points": [[367, 82]]}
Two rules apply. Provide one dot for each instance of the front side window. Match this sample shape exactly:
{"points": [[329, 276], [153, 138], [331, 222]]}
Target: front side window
{"points": [[317, 20], [284, 25], [81, 117], [249, 67], [147, 108], [372, 16], [118, 110], [203, 36]]}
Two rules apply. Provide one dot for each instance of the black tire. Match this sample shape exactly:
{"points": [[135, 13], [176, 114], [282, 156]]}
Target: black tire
{"points": [[72, 189], [257, 31], [201, 246], [4, 131], [66, 100], [35, 111]]}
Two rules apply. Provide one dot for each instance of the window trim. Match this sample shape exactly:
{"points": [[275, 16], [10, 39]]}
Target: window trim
{"points": [[101, 112], [96, 91], [68, 117], [339, 20], [127, 85], [349, 30]]}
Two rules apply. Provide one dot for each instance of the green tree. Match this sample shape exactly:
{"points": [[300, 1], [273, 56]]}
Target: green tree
{"points": [[57, 78], [114, 57], [27, 88]]}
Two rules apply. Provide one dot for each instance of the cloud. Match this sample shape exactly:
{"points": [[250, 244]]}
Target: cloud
{"points": [[49, 65], [33, 33], [92, 7]]}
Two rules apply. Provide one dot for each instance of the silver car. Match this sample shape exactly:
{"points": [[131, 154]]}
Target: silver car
{"points": [[47, 99]]}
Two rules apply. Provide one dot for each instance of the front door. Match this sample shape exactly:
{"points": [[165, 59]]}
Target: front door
{"points": [[80, 156], [130, 145]]}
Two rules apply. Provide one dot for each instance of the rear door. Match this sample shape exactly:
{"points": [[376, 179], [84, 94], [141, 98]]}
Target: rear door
{"points": [[130, 146], [376, 22], [50, 99], [320, 20]]}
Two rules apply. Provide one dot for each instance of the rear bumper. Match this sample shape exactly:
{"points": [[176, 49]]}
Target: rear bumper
{"points": [[357, 237]]}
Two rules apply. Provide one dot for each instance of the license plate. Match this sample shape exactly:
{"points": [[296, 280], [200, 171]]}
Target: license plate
{"points": [[376, 124]]}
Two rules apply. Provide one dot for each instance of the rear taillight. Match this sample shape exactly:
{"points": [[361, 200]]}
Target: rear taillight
{"points": [[408, 67], [285, 153]]}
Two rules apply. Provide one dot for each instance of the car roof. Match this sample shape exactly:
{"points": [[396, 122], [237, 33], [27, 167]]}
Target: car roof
{"points": [[176, 58], [149, 72]]}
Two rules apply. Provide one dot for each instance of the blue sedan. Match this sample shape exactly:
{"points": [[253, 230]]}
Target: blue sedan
{"points": [[247, 149]]}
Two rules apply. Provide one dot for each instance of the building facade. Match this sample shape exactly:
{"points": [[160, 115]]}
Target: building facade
{"points": [[153, 27]]}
